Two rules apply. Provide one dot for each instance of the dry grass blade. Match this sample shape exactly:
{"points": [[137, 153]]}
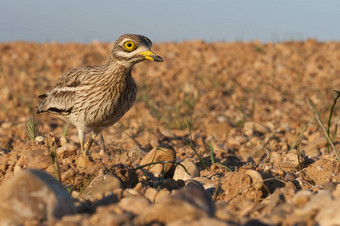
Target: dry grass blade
{"points": [[324, 129]]}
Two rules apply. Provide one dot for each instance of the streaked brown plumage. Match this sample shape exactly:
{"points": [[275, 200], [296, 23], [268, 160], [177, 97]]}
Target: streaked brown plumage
{"points": [[95, 97]]}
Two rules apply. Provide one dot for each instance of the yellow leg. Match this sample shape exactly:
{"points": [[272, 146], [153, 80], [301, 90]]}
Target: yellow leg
{"points": [[88, 144]]}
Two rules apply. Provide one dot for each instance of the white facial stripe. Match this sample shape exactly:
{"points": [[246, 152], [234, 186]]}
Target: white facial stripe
{"points": [[65, 89], [125, 54], [128, 55]]}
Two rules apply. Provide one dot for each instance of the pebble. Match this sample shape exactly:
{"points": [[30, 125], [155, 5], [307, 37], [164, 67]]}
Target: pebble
{"points": [[83, 162], [66, 149], [135, 205], [150, 194], [302, 197], [100, 185], [290, 176], [63, 141], [190, 166], [161, 153], [250, 128], [257, 152], [292, 160], [237, 141], [218, 130], [163, 193], [39, 139]]}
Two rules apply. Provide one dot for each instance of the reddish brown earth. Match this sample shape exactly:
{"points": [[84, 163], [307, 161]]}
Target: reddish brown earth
{"points": [[248, 100]]}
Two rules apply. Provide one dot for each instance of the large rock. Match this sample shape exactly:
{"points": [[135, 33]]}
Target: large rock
{"points": [[33, 195]]}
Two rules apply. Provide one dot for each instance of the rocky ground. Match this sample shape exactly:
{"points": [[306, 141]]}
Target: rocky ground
{"points": [[254, 151]]}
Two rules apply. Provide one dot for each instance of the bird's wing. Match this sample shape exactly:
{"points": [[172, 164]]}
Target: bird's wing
{"points": [[61, 99]]}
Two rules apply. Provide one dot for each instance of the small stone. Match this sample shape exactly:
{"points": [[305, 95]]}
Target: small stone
{"points": [[63, 141], [218, 130], [130, 192], [292, 160], [100, 186], [330, 186], [290, 176], [190, 166], [66, 149], [84, 162], [197, 197], [102, 153], [150, 194], [237, 141], [257, 152], [138, 187], [135, 205], [163, 193], [318, 142], [161, 153], [302, 197], [253, 128], [34, 195], [39, 139]]}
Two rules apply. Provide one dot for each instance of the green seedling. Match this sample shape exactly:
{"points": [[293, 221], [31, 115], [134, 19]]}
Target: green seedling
{"points": [[316, 116], [190, 144], [212, 158], [330, 118]]}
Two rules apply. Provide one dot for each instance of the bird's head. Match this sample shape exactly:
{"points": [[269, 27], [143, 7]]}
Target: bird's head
{"points": [[130, 49]]}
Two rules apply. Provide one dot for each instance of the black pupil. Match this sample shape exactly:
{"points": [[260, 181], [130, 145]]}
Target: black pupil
{"points": [[129, 44]]}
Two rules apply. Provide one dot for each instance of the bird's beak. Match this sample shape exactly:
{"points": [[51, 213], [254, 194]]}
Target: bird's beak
{"points": [[151, 56]]}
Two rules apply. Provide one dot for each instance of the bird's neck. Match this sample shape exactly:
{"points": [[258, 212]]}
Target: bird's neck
{"points": [[118, 70]]}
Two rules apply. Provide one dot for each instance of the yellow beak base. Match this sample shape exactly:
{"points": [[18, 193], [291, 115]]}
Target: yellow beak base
{"points": [[151, 56]]}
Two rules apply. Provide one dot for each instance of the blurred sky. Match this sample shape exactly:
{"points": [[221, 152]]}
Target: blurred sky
{"points": [[166, 20]]}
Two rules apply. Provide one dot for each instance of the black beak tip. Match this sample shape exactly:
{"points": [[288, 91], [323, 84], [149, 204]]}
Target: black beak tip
{"points": [[158, 59]]}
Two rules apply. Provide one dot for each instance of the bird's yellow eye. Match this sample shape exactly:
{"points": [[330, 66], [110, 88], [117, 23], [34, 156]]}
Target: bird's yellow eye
{"points": [[129, 45]]}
